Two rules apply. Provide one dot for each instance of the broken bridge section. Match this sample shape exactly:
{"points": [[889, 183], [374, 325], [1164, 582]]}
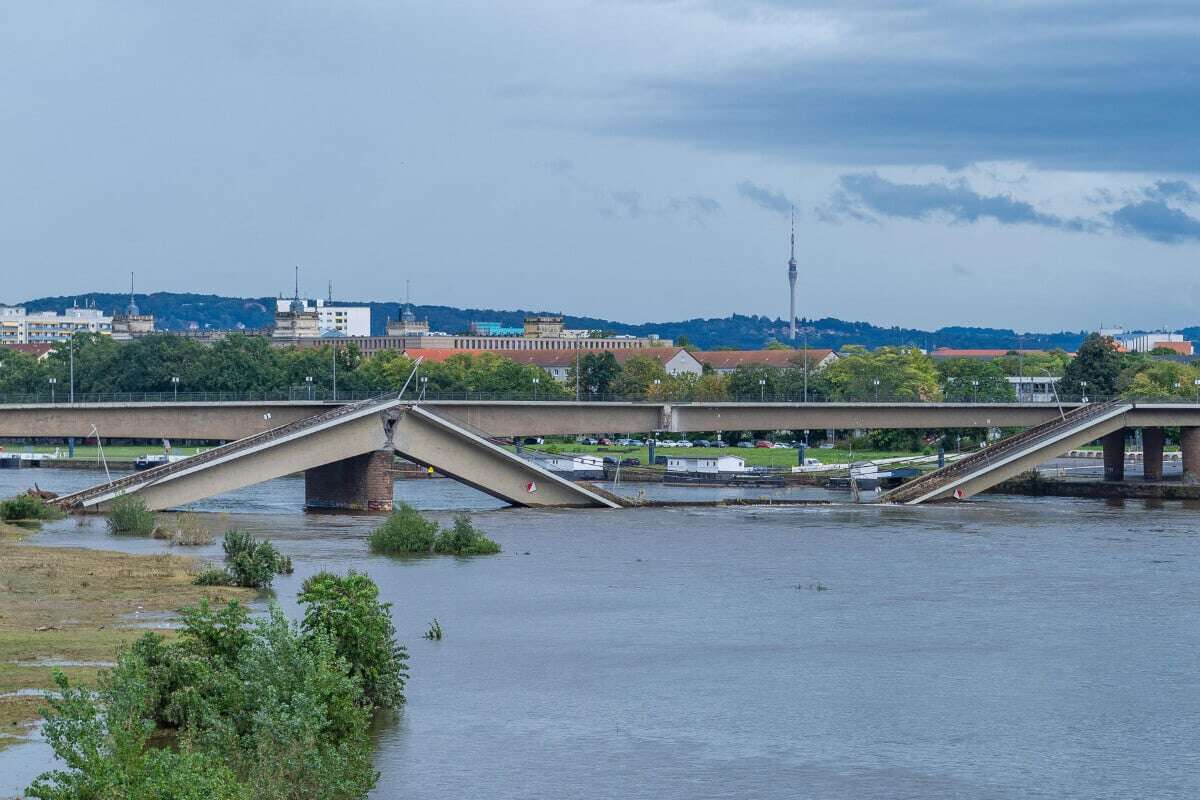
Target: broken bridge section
{"points": [[346, 456], [469, 456]]}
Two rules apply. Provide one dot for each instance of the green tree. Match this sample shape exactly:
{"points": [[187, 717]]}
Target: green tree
{"points": [[1165, 380], [347, 610], [637, 375], [597, 371], [1096, 370], [973, 379], [901, 374]]}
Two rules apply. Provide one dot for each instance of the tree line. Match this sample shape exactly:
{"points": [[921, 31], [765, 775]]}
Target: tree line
{"points": [[250, 364]]}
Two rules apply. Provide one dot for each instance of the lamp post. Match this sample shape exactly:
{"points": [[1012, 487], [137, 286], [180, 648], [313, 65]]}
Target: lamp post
{"points": [[876, 382], [71, 351], [762, 390], [952, 380], [424, 386], [974, 391], [1197, 382], [1083, 391], [308, 380], [52, 382], [536, 381], [175, 386]]}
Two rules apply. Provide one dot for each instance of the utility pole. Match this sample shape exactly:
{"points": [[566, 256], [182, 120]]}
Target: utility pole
{"points": [[577, 372], [71, 348]]}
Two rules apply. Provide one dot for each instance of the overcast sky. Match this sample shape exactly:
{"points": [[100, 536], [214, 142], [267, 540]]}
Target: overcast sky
{"points": [[949, 162]]}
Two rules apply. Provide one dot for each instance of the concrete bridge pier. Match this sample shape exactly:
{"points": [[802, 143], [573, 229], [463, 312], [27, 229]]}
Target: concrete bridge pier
{"points": [[1189, 443], [1114, 455], [1152, 454], [358, 483]]}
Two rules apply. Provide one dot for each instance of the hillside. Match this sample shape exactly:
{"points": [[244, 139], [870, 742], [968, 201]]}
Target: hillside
{"points": [[190, 311]]}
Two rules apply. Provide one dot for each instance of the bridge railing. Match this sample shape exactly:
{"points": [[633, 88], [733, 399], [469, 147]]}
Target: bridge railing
{"points": [[326, 397]]}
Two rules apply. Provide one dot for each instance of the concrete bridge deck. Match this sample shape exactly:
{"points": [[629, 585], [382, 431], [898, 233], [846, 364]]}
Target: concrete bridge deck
{"points": [[237, 420]]}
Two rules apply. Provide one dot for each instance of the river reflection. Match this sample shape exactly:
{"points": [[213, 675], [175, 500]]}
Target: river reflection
{"points": [[1002, 648]]}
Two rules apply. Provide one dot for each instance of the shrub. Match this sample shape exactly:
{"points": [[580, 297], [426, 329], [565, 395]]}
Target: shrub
{"points": [[405, 531], [128, 515], [262, 710], [214, 576], [252, 563], [464, 539], [348, 611], [27, 507], [434, 634]]}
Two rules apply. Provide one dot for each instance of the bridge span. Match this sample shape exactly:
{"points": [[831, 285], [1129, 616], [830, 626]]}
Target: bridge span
{"points": [[228, 421], [345, 449]]}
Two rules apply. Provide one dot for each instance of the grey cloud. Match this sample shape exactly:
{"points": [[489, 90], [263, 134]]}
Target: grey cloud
{"points": [[1181, 191], [937, 82], [1155, 220], [862, 194], [697, 207], [764, 197], [630, 202]]}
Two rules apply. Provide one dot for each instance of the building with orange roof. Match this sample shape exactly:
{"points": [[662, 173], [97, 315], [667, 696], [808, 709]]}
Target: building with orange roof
{"points": [[724, 362]]}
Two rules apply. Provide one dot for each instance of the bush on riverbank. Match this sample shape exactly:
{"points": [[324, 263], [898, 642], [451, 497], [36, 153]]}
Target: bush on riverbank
{"points": [[407, 532], [248, 562], [262, 709], [348, 611], [25, 507], [464, 539], [129, 515]]}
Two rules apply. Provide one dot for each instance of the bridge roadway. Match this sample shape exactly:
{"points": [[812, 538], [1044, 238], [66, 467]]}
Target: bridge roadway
{"points": [[227, 421]]}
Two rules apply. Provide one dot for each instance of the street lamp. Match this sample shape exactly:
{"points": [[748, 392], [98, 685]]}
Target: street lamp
{"points": [[974, 391], [876, 382], [1197, 382], [536, 381], [308, 380], [1083, 390], [52, 382], [762, 389], [175, 386], [424, 385]]}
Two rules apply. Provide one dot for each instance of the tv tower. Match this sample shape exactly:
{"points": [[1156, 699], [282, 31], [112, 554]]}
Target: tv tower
{"points": [[792, 278]]}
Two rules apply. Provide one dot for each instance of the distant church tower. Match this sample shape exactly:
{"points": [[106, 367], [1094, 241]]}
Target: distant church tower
{"points": [[792, 279]]}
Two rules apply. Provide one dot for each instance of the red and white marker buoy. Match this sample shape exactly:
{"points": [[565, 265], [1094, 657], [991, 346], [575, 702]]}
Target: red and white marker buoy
{"points": [[531, 487], [958, 494]]}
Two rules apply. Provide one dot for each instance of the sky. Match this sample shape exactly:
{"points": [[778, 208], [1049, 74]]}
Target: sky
{"points": [[1029, 164]]}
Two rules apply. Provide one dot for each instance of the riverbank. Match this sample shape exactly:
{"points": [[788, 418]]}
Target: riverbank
{"points": [[1133, 489], [72, 609]]}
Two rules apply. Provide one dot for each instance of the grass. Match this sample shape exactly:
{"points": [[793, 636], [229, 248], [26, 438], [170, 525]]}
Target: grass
{"points": [[83, 600], [755, 457], [123, 452]]}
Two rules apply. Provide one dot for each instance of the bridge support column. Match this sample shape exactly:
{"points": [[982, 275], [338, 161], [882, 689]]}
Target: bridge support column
{"points": [[360, 483], [1189, 442], [1114, 455], [1152, 454]]}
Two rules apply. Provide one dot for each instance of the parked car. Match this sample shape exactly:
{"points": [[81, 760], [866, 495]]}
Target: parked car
{"points": [[683, 443], [720, 443], [604, 442], [609, 461], [763, 444], [745, 444], [534, 440], [635, 442], [589, 440], [702, 443], [631, 462], [781, 446]]}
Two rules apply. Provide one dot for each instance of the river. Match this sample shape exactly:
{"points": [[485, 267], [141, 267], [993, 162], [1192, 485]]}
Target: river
{"points": [[1001, 648]]}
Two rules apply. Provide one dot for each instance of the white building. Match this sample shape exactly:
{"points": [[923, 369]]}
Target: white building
{"points": [[573, 465], [19, 326], [331, 319], [706, 465], [1034, 389]]}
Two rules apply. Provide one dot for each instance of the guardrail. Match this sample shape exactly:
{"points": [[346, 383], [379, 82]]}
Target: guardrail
{"points": [[317, 396]]}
